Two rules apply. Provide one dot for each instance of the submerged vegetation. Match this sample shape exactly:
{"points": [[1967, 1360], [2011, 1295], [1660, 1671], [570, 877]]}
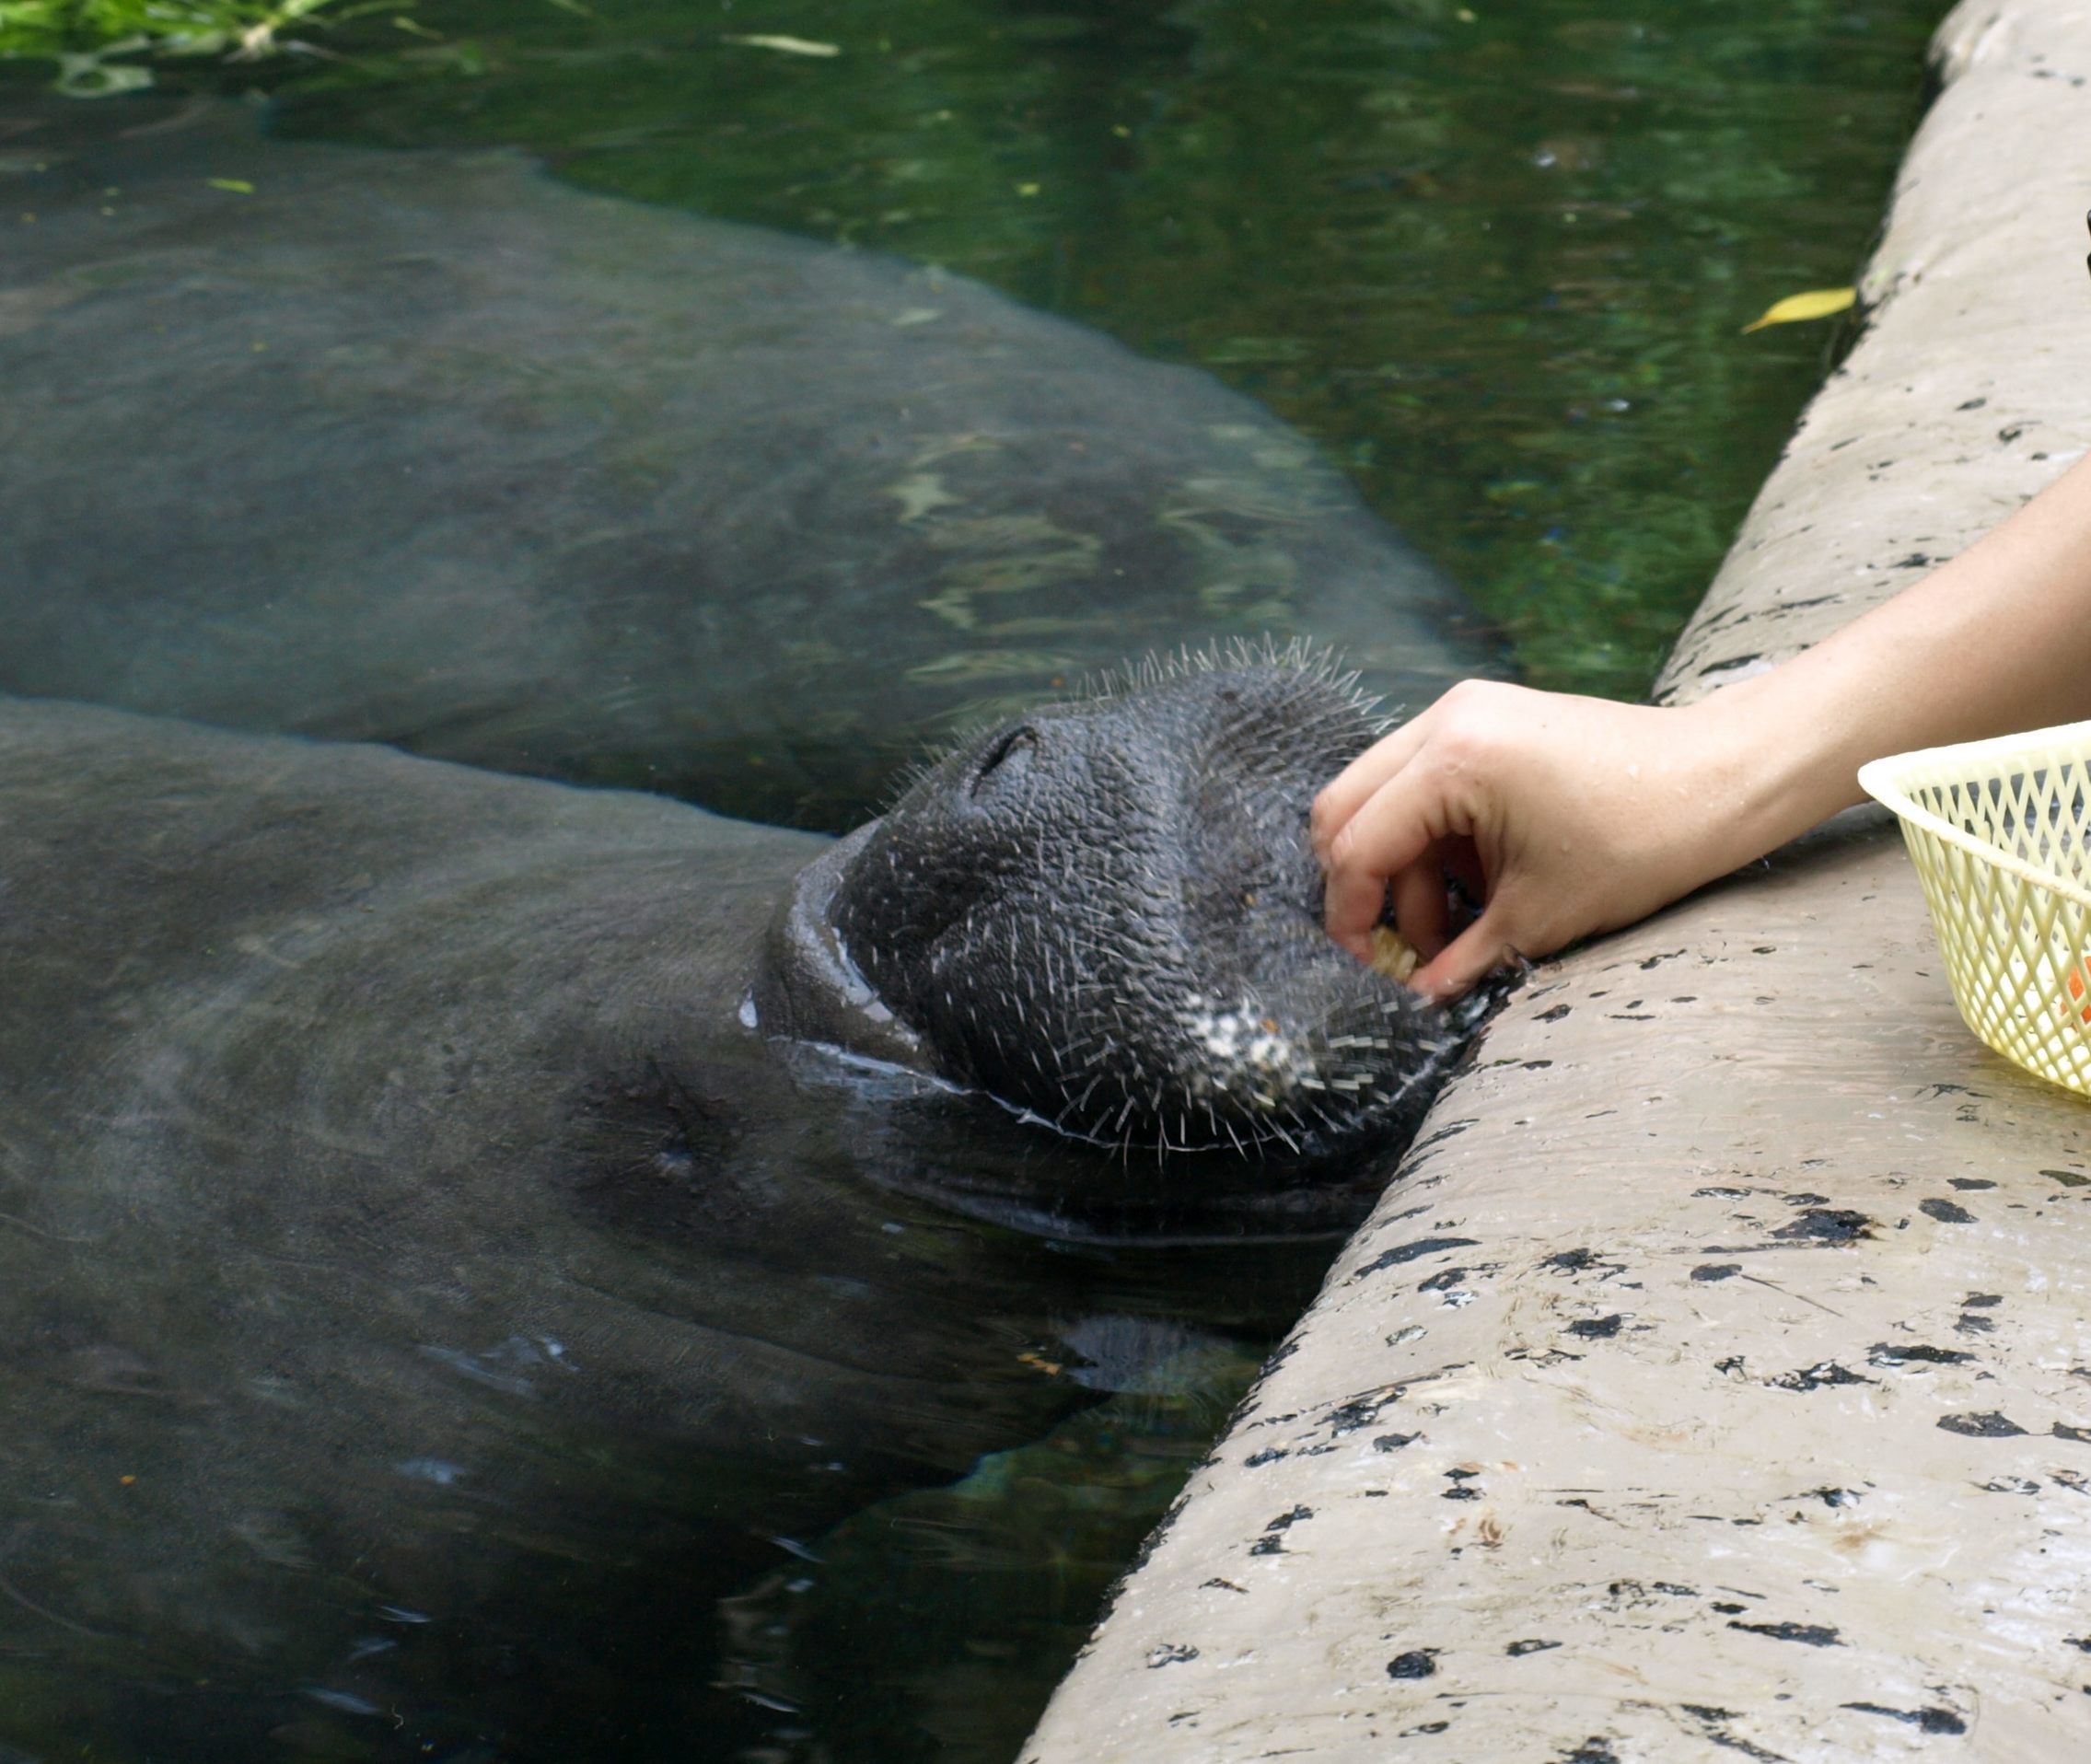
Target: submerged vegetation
{"points": [[102, 47]]}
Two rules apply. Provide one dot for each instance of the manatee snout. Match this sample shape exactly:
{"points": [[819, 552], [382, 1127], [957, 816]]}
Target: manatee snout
{"points": [[1107, 914]]}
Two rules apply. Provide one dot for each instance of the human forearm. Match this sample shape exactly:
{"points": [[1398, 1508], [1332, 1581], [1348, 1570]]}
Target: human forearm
{"points": [[1996, 640], [1572, 816]]}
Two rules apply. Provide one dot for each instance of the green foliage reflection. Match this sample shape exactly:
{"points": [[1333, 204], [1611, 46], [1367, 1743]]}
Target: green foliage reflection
{"points": [[104, 47], [1494, 258]]}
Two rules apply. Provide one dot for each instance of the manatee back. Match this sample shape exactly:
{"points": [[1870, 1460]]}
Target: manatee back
{"points": [[403, 1233], [427, 448]]}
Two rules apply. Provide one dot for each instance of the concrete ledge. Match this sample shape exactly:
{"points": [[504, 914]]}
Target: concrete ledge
{"points": [[1716, 1378]]}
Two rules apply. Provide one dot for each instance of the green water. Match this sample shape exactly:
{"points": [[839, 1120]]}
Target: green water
{"points": [[1494, 258]]}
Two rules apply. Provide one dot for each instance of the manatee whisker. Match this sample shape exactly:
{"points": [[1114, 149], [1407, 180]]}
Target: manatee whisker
{"points": [[1112, 909]]}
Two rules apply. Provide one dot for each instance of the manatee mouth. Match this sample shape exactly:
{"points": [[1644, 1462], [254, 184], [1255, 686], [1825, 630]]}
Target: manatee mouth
{"points": [[1107, 915], [1267, 1042], [1304, 1067]]}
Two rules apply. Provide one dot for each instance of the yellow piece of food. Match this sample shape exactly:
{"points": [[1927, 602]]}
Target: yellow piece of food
{"points": [[1390, 955]]}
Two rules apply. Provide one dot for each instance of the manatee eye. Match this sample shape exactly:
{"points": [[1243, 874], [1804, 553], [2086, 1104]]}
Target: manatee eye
{"points": [[1006, 761]]}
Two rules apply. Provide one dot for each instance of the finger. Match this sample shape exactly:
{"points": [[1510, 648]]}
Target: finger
{"points": [[1475, 954], [1353, 903], [1388, 835], [1421, 910], [1352, 788]]}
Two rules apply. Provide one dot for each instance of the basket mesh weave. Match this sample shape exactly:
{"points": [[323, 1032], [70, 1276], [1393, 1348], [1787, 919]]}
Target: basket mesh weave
{"points": [[1997, 831]]}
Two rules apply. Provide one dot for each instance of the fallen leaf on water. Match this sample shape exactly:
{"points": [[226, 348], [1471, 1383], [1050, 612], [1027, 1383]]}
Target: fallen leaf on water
{"points": [[1817, 303], [238, 186], [785, 45]]}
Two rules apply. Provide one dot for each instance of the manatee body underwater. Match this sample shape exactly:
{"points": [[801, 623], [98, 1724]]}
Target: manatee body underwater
{"points": [[442, 453], [453, 1226]]}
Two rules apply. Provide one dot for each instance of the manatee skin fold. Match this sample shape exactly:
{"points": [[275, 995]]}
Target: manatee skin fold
{"points": [[427, 448], [424, 1190]]}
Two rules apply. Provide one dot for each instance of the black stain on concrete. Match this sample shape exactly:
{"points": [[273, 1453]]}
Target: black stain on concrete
{"points": [[1818, 1377], [1828, 1225], [1361, 1411], [1988, 1425], [1415, 1251], [1813, 1635], [1927, 1721], [1459, 1490], [1713, 1724], [1945, 1212], [1892, 1353], [1598, 1328], [1449, 1131]]}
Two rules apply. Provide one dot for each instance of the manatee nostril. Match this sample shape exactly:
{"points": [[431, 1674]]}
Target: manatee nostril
{"points": [[1008, 760]]}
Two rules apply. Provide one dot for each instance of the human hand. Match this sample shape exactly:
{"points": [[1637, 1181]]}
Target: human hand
{"points": [[1565, 816]]}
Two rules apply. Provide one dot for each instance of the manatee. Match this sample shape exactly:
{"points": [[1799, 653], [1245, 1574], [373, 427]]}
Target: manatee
{"points": [[452, 1225], [428, 448]]}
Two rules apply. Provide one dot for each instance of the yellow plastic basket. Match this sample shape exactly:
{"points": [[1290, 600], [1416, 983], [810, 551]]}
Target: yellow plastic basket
{"points": [[1998, 831]]}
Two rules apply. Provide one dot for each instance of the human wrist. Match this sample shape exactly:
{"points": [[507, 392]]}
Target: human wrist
{"points": [[1766, 765]]}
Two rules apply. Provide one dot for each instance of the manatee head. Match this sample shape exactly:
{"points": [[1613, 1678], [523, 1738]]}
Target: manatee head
{"points": [[1106, 915]]}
